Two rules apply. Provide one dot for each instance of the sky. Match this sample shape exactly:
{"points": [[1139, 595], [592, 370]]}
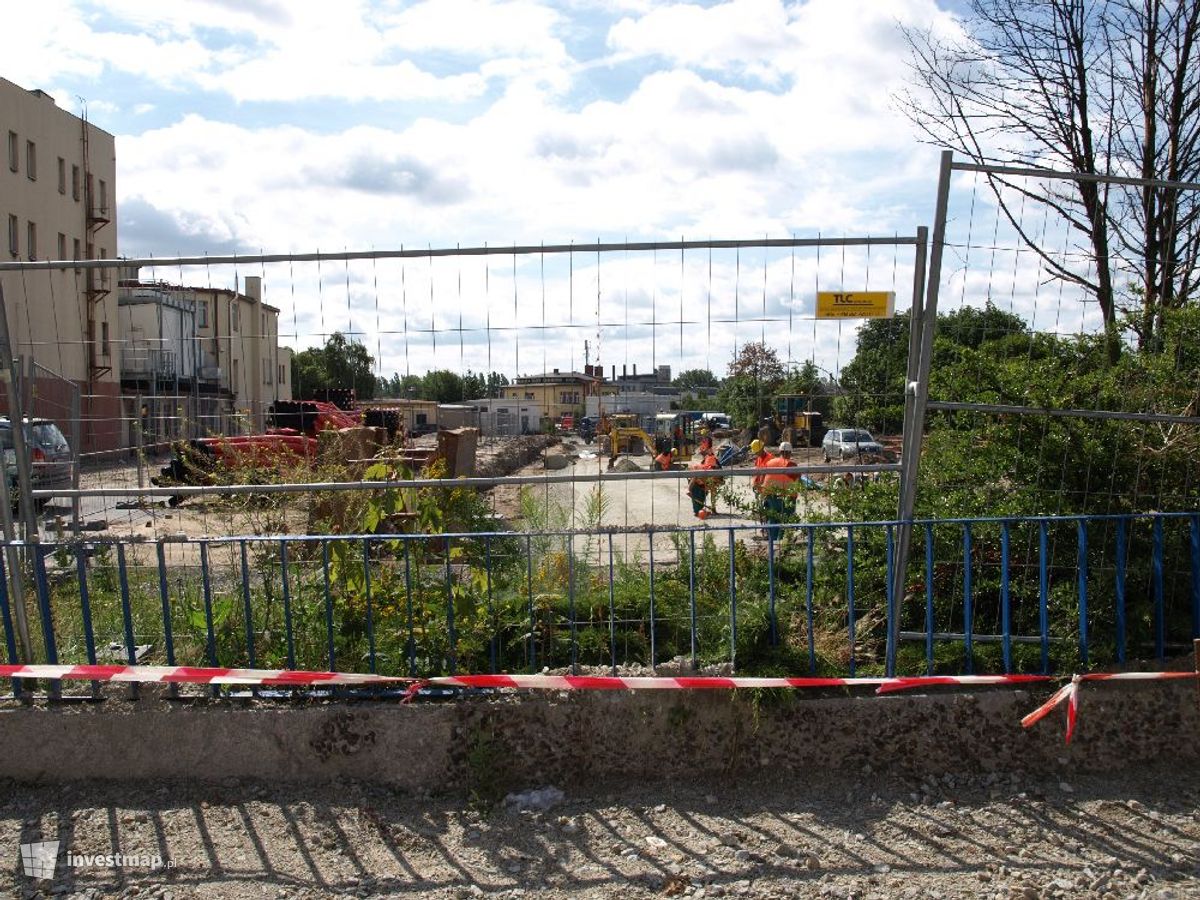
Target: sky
{"points": [[264, 126]]}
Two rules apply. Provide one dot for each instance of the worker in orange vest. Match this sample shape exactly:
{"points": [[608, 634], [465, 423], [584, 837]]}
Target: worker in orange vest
{"points": [[779, 489], [664, 458], [761, 457], [698, 488]]}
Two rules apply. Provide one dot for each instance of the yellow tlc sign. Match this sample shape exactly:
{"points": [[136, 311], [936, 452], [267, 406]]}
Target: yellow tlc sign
{"points": [[856, 304]]}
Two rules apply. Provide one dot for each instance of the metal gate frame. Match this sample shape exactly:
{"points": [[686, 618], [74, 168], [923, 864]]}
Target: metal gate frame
{"points": [[923, 331]]}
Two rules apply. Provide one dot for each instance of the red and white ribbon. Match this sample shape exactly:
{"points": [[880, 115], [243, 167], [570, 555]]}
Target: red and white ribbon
{"points": [[906, 682], [300, 678], [1070, 693], [651, 682], [194, 675]]}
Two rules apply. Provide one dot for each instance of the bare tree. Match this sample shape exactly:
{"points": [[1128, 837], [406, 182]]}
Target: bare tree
{"points": [[1098, 87]]}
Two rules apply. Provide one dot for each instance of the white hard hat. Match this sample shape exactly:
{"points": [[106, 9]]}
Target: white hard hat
{"points": [[785, 447]]}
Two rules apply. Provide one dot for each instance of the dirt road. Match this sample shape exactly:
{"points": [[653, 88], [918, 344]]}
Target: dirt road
{"points": [[869, 835]]}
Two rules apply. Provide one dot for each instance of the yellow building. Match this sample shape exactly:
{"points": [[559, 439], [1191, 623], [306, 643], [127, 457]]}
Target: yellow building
{"points": [[557, 393]]}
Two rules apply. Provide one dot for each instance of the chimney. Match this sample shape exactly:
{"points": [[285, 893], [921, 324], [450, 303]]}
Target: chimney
{"points": [[624, 371], [614, 368], [253, 288], [635, 370]]}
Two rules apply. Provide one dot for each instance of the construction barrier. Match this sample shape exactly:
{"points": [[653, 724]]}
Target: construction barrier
{"points": [[1068, 693]]}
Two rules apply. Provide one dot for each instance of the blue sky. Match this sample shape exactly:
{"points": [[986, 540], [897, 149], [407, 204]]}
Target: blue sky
{"points": [[248, 125]]}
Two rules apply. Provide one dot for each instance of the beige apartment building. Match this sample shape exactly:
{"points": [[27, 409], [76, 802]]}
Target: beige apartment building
{"points": [[57, 202], [200, 361]]}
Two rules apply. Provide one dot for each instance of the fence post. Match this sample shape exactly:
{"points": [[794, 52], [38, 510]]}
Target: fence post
{"points": [[76, 437], [1196, 646], [9, 375], [137, 431], [916, 388]]}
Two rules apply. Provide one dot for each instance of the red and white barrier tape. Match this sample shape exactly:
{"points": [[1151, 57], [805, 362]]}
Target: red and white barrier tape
{"points": [[194, 675], [906, 682], [298, 678], [652, 682], [1070, 693]]}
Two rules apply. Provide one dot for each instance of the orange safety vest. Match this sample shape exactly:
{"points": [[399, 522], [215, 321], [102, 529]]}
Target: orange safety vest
{"points": [[760, 461], [709, 461], [779, 483]]}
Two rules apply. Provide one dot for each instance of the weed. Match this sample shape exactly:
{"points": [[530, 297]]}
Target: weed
{"points": [[487, 776]]}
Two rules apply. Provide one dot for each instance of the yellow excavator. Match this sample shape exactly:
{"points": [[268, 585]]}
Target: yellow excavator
{"points": [[795, 421], [622, 433]]}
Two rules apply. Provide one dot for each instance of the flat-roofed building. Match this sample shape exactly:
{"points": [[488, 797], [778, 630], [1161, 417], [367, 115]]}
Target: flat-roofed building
{"points": [[209, 358], [58, 176]]}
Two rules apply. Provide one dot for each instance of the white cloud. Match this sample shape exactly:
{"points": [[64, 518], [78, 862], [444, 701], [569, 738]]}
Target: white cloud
{"points": [[744, 131], [483, 28], [746, 33], [288, 52]]}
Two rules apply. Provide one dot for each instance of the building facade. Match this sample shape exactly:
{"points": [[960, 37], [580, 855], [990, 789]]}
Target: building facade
{"points": [[199, 361], [555, 393], [238, 336], [57, 201]]}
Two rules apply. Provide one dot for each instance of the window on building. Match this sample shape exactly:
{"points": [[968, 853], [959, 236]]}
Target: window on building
{"points": [[62, 246], [31, 239], [74, 248], [104, 272], [14, 159], [233, 315], [62, 175], [236, 379], [31, 160], [105, 349], [202, 313], [75, 181], [266, 371], [529, 395], [283, 374], [14, 236], [103, 198]]}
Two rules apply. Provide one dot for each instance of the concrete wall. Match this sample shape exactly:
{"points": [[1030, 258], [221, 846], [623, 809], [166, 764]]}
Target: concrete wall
{"points": [[568, 739]]}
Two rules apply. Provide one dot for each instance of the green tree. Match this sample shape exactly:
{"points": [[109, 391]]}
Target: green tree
{"points": [[340, 365], [754, 376], [693, 380], [1090, 86], [872, 384], [477, 385], [807, 381], [443, 386]]}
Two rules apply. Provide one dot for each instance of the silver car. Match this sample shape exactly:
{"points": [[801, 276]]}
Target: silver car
{"points": [[52, 465], [849, 443]]}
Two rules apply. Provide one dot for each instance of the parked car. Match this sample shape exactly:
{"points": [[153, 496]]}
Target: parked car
{"points": [[52, 466], [849, 443]]}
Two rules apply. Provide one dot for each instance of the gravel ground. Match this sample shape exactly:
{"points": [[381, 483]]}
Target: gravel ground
{"points": [[872, 835]]}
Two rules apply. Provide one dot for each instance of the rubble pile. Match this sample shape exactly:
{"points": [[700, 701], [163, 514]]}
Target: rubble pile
{"points": [[503, 456]]}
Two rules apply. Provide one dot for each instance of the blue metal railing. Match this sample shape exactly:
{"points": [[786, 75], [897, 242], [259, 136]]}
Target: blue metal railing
{"points": [[1038, 594]]}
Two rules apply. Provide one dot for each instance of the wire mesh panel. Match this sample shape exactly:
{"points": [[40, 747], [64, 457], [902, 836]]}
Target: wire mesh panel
{"points": [[1061, 382]]}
